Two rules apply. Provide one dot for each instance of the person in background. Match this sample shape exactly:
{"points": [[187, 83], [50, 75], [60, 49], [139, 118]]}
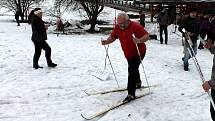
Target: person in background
{"points": [[204, 25], [17, 14], [59, 24], [142, 18], [39, 37], [211, 83], [191, 25], [163, 22], [129, 34]]}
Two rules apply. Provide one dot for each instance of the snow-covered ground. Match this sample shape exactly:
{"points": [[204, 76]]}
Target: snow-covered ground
{"points": [[57, 94]]}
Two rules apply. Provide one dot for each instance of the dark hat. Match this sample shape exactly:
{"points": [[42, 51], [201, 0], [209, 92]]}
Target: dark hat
{"points": [[193, 10]]}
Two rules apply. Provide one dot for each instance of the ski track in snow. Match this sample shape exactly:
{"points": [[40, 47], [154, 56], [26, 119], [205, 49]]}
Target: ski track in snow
{"points": [[57, 94]]}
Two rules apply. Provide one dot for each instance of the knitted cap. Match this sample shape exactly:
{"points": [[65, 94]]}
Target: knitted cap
{"points": [[37, 12]]}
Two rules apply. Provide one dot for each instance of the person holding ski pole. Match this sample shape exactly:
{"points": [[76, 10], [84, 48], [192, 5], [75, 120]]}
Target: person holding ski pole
{"points": [[129, 34], [211, 83], [191, 25]]}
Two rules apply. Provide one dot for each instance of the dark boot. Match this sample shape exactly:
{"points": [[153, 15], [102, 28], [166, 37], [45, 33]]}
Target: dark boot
{"points": [[52, 65], [186, 68], [129, 98], [37, 66], [182, 59]]}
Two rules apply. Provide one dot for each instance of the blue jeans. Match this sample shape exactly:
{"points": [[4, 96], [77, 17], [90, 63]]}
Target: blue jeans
{"points": [[187, 55]]}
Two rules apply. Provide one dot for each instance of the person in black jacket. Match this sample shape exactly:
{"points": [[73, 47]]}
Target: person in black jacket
{"points": [[142, 18], [39, 37], [210, 84], [191, 25], [204, 26], [163, 21], [17, 14]]}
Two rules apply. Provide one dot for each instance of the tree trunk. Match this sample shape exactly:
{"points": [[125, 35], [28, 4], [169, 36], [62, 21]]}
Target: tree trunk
{"points": [[93, 23], [22, 17], [92, 9]]}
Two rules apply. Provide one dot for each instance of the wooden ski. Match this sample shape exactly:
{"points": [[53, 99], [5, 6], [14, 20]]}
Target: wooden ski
{"points": [[114, 106]]}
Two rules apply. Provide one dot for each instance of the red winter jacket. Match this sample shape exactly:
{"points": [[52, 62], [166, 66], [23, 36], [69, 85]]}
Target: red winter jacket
{"points": [[134, 29]]}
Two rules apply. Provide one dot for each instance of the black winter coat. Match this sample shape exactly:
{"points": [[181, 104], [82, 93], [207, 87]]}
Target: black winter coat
{"points": [[191, 25], [17, 15], [163, 19], [211, 31], [38, 29]]}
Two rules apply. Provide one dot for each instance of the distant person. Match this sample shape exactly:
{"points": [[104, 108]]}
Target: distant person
{"points": [[17, 14], [129, 34], [39, 37], [142, 18], [59, 25], [204, 26], [163, 22], [191, 25], [211, 83], [179, 24]]}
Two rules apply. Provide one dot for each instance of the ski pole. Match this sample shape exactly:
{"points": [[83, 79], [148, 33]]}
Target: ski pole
{"points": [[138, 51], [107, 55], [201, 75], [192, 54]]}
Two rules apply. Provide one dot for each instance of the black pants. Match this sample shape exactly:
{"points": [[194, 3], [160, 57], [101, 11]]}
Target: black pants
{"points": [[133, 74], [163, 28], [38, 48], [202, 35], [17, 21], [211, 107]]}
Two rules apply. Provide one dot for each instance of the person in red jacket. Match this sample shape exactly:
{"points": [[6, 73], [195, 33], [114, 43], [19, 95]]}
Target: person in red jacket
{"points": [[129, 34]]}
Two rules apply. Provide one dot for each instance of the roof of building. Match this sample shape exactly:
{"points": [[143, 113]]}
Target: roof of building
{"points": [[173, 1]]}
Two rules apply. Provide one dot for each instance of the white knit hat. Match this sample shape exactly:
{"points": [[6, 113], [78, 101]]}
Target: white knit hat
{"points": [[37, 12]]}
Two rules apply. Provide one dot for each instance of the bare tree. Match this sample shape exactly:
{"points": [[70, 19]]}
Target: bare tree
{"points": [[92, 8], [60, 6], [18, 5]]}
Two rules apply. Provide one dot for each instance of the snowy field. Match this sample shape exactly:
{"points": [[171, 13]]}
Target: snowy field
{"points": [[58, 94]]}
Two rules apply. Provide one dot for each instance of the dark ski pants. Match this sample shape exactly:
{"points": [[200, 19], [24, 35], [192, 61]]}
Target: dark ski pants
{"points": [[211, 107], [38, 48], [133, 74], [163, 28]]}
